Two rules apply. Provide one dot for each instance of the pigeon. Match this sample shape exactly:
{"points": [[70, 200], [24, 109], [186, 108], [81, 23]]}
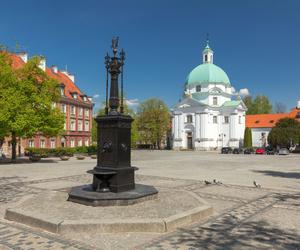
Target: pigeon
{"points": [[256, 184], [217, 182], [207, 182]]}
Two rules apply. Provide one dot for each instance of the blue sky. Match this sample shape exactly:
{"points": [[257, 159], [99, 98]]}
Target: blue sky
{"points": [[256, 42]]}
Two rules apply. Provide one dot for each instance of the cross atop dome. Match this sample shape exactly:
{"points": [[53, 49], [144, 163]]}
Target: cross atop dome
{"points": [[208, 54]]}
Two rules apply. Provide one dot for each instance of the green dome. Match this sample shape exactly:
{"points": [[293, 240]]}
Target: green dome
{"points": [[207, 73]]}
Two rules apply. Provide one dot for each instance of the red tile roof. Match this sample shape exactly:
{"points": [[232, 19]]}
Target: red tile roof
{"points": [[269, 120], [70, 86]]}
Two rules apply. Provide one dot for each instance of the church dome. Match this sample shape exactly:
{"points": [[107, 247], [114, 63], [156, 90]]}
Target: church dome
{"points": [[207, 73]]}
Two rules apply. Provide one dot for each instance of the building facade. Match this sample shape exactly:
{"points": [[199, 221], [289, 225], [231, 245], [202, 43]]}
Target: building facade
{"points": [[208, 117], [262, 124], [77, 107]]}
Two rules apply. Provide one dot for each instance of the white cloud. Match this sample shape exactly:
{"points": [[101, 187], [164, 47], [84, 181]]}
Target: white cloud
{"points": [[95, 96], [244, 92], [132, 102]]}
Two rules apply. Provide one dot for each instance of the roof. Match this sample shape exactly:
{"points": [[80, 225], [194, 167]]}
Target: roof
{"points": [[270, 120], [70, 86], [233, 103], [207, 72]]}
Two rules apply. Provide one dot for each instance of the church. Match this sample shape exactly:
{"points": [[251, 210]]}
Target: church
{"points": [[210, 115]]}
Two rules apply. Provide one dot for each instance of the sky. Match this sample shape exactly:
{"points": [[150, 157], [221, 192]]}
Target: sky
{"points": [[255, 42]]}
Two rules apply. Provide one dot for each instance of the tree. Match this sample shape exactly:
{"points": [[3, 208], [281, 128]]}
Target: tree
{"points": [[279, 107], [248, 138], [27, 95], [285, 133], [153, 121], [260, 105]]}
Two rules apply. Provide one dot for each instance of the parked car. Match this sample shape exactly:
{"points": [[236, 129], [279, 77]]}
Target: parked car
{"points": [[270, 150], [260, 151], [283, 151], [248, 151], [226, 150], [237, 151]]}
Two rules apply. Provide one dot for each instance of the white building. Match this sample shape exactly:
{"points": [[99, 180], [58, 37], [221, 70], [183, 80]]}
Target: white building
{"points": [[208, 117]]}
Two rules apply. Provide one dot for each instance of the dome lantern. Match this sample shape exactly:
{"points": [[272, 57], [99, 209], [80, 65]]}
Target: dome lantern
{"points": [[208, 54]]}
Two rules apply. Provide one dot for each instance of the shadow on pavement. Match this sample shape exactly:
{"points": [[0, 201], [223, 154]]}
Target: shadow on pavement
{"points": [[26, 161], [292, 175], [228, 235]]}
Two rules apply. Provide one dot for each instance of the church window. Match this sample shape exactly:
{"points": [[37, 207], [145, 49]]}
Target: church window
{"points": [[205, 58], [215, 119], [215, 100], [198, 88], [189, 118], [226, 119]]}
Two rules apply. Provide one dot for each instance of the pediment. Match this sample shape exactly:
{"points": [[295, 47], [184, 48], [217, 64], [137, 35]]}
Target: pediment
{"points": [[188, 102]]}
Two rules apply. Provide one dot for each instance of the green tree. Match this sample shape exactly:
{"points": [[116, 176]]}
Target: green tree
{"points": [[285, 133], [153, 121], [260, 105], [248, 138], [27, 95]]}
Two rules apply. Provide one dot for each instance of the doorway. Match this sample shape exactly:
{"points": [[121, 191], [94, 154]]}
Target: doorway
{"points": [[189, 140]]}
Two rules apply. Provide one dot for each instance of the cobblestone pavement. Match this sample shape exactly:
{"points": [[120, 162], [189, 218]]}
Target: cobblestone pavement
{"points": [[244, 219]]}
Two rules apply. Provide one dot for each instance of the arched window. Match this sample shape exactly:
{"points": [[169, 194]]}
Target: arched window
{"points": [[205, 58], [198, 88]]}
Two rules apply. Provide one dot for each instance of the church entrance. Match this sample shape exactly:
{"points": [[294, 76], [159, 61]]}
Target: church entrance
{"points": [[189, 140]]}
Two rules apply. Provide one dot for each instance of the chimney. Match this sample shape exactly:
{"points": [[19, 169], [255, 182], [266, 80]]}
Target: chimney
{"points": [[71, 76], [298, 104], [23, 56], [54, 69], [43, 63]]}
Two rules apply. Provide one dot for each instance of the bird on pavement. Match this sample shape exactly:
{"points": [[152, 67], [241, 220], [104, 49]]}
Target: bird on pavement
{"points": [[207, 182], [217, 182], [256, 184]]}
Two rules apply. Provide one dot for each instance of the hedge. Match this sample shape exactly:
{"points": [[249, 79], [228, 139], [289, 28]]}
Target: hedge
{"points": [[48, 152]]}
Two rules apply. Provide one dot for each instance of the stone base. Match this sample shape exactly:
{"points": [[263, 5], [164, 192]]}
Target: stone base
{"points": [[51, 211], [86, 196]]}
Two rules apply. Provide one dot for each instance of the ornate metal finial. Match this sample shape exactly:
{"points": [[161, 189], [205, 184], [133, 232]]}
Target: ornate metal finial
{"points": [[114, 44], [207, 39]]}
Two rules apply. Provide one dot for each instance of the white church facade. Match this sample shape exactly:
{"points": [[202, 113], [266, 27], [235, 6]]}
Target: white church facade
{"points": [[210, 115]]}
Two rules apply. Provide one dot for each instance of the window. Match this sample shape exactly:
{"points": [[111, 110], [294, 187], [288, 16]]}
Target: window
{"points": [[52, 143], [79, 143], [31, 143], [72, 143], [80, 111], [240, 119], [65, 126], [73, 110], [62, 90], [86, 142], [74, 95], [87, 126], [72, 127], [79, 125], [226, 119], [215, 100], [84, 98], [205, 58], [63, 108], [87, 113], [189, 118], [215, 119], [42, 143], [198, 88]]}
